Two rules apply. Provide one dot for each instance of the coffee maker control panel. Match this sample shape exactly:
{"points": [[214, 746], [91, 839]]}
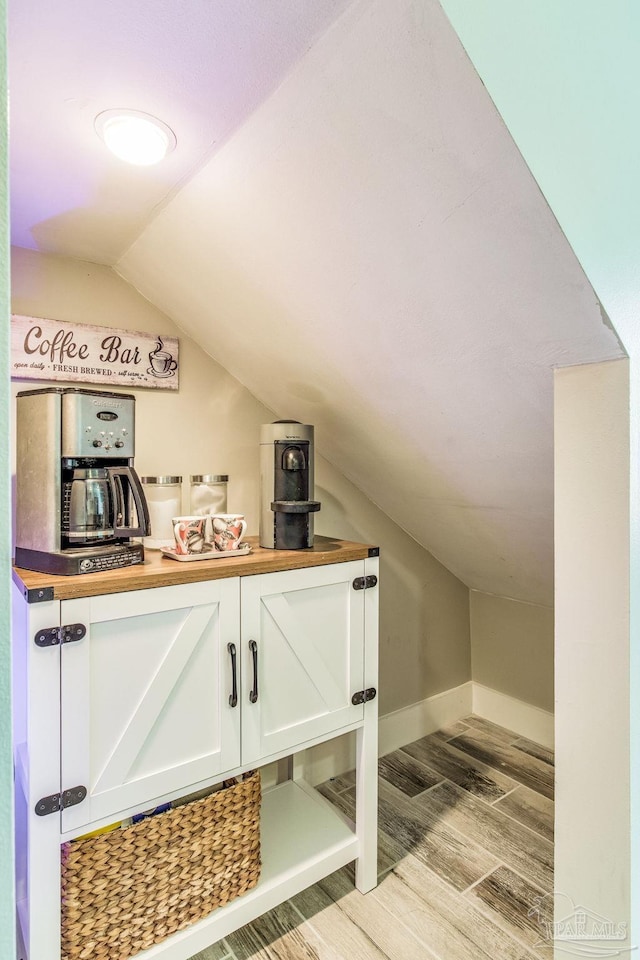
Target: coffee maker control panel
{"points": [[97, 425], [107, 440]]}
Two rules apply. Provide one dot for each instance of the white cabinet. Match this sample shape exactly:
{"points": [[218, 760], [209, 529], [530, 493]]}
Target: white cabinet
{"points": [[134, 705]]}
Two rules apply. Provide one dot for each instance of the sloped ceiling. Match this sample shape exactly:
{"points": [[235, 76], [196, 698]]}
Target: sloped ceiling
{"points": [[370, 254]]}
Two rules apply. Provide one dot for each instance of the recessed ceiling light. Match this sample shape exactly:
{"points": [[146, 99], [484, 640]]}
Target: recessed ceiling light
{"points": [[134, 136]]}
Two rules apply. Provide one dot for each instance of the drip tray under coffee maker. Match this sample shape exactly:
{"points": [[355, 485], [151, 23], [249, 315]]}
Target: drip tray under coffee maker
{"points": [[291, 522], [81, 560]]}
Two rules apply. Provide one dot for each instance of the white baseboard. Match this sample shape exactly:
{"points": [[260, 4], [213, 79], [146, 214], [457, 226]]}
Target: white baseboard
{"points": [[523, 718], [394, 730], [420, 719], [427, 716]]}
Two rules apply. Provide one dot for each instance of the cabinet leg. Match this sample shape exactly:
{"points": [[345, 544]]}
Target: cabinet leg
{"points": [[295, 765], [21, 950], [43, 884], [367, 800]]}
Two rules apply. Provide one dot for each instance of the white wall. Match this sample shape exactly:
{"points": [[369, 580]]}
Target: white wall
{"points": [[211, 425], [592, 837], [512, 648]]}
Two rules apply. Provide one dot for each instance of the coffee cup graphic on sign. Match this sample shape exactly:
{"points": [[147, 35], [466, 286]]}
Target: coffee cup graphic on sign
{"points": [[162, 363]]}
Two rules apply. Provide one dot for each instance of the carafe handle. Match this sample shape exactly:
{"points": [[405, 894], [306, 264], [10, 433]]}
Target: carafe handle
{"points": [[120, 507]]}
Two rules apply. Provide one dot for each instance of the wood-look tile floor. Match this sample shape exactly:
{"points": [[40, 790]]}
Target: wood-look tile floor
{"points": [[465, 853]]}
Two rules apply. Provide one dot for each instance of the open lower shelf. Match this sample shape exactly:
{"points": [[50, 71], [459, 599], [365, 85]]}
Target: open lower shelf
{"points": [[302, 840]]}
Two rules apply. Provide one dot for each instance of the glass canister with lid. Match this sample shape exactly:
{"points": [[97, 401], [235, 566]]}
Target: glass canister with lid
{"points": [[164, 500], [208, 494]]}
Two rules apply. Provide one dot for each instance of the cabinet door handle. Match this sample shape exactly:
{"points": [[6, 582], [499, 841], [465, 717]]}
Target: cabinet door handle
{"points": [[253, 646], [233, 699]]}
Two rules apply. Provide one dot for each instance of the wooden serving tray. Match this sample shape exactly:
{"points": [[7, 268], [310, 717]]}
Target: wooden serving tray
{"points": [[172, 554]]}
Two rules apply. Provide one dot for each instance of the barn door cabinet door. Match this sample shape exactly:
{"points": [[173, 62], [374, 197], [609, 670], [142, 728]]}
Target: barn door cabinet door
{"points": [[145, 695], [303, 634]]}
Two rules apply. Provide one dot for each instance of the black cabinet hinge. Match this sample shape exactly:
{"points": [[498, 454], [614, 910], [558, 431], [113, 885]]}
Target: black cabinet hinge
{"points": [[363, 696], [59, 801], [52, 636], [363, 583]]}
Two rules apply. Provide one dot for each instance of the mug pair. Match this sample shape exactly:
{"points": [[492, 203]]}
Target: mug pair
{"points": [[218, 532]]}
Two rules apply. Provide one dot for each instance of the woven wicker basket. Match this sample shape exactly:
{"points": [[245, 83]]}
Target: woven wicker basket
{"points": [[126, 890]]}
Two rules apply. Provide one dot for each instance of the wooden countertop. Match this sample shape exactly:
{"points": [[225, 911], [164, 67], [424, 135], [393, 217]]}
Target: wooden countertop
{"points": [[159, 571]]}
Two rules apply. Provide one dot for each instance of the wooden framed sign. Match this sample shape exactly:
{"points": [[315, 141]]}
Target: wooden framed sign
{"points": [[54, 350]]}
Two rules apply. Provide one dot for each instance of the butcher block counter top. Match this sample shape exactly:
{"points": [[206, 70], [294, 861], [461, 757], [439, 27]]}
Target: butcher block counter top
{"points": [[160, 571]]}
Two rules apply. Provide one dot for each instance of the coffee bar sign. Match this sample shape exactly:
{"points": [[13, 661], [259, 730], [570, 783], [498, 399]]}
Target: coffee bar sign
{"points": [[55, 350]]}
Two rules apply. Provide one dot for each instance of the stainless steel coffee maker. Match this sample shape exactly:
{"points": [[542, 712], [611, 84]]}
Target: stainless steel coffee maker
{"points": [[78, 498], [286, 485]]}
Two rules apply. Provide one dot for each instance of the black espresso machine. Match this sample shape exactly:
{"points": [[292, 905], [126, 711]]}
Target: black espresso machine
{"points": [[79, 500], [286, 485]]}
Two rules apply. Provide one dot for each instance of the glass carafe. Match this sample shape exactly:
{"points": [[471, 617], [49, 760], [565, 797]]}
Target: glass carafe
{"points": [[89, 506]]}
